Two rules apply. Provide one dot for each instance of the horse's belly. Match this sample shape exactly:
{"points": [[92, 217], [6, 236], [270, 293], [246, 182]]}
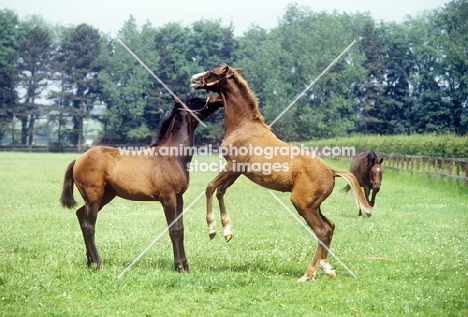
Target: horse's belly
{"points": [[146, 186], [137, 194], [278, 181]]}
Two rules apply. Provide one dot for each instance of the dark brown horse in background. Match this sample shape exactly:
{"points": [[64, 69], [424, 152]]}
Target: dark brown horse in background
{"points": [[309, 179], [366, 166], [104, 172]]}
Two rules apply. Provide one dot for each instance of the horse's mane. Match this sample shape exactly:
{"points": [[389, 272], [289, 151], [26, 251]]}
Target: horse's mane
{"points": [[165, 126], [251, 97]]}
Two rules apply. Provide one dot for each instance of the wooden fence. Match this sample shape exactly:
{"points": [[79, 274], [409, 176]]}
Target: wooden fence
{"points": [[454, 168]]}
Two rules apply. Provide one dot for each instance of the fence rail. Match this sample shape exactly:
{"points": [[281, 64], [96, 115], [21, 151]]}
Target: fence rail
{"points": [[454, 168]]}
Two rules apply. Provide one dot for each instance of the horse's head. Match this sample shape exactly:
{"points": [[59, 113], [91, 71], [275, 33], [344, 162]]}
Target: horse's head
{"points": [[376, 174], [186, 115], [200, 107], [210, 79]]}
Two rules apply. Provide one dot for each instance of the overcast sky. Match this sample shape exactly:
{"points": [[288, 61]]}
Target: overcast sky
{"points": [[109, 15]]}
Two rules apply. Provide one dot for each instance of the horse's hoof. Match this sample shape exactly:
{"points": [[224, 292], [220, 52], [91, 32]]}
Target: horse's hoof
{"points": [[99, 267], [228, 237], [212, 235], [331, 273], [181, 269], [368, 214], [304, 278]]}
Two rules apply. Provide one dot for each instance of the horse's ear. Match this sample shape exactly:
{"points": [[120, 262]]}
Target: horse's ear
{"points": [[176, 102], [226, 68], [381, 160], [239, 70]]}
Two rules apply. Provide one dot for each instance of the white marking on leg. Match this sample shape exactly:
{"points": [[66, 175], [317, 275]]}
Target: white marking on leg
{"points": [[313, 234], [327, 268], [211, 221], [227, 225]]}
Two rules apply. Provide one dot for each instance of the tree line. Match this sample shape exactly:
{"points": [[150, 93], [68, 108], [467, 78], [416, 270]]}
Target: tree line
{"points": [[399, 78]]}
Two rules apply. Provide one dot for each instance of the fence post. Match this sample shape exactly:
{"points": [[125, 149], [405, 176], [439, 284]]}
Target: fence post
{"points": [[466, 173]]}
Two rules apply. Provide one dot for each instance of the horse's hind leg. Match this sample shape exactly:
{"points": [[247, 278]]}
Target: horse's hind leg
{"points": [[309, 209], [324, 265], [87, 216], [81, 214]]}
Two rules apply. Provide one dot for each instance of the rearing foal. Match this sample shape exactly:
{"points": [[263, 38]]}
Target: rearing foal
{"points": [[103, 172], [309, 179]]}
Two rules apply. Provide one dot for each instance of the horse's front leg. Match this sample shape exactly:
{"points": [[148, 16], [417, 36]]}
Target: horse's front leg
{"points": [[219, 183], [366, 194], [173, 207], [374, 193], [225, 219]]}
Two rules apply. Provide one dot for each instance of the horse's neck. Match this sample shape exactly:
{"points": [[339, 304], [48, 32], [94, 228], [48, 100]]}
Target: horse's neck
{"points": [[180, 138], [237, 107]]}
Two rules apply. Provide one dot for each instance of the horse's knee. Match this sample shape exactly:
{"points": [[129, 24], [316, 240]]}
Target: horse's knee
{"points": [[209, 190], [324, 234], [176, 233], [88, 231], [220, 193], [80, 213]]}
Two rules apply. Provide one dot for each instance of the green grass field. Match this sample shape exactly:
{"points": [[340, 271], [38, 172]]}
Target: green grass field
{"points": [[410, 258]]}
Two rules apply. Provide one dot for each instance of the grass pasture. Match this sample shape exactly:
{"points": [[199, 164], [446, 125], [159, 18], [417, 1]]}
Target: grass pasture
{"points": [[410, 258]]}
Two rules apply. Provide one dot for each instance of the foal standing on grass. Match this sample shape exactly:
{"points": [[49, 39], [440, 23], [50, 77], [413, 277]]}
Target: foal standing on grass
{"points": [[309, 179], [366, 167], [103, 172]]}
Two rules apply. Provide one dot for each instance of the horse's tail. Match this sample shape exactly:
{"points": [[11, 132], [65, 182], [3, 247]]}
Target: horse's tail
{"points": [[67, 191], [358, 195]]}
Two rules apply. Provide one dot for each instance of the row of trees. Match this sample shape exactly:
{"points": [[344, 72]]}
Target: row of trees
{"points": [[409, 77]]}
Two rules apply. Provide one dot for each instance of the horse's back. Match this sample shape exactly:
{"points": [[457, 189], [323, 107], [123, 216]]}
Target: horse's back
{"points": [[92, 161], [133, 177]]}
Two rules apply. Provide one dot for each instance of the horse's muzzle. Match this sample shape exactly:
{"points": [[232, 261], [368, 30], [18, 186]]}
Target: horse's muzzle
{"points": [[198, 80]]}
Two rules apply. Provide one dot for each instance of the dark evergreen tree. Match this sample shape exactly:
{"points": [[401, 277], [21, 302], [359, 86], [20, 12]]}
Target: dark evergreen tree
{"points": [[80, 61], [452, 25], [127, 86], [395, 107], [369, 92], [9, 23], [35, 59]]}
